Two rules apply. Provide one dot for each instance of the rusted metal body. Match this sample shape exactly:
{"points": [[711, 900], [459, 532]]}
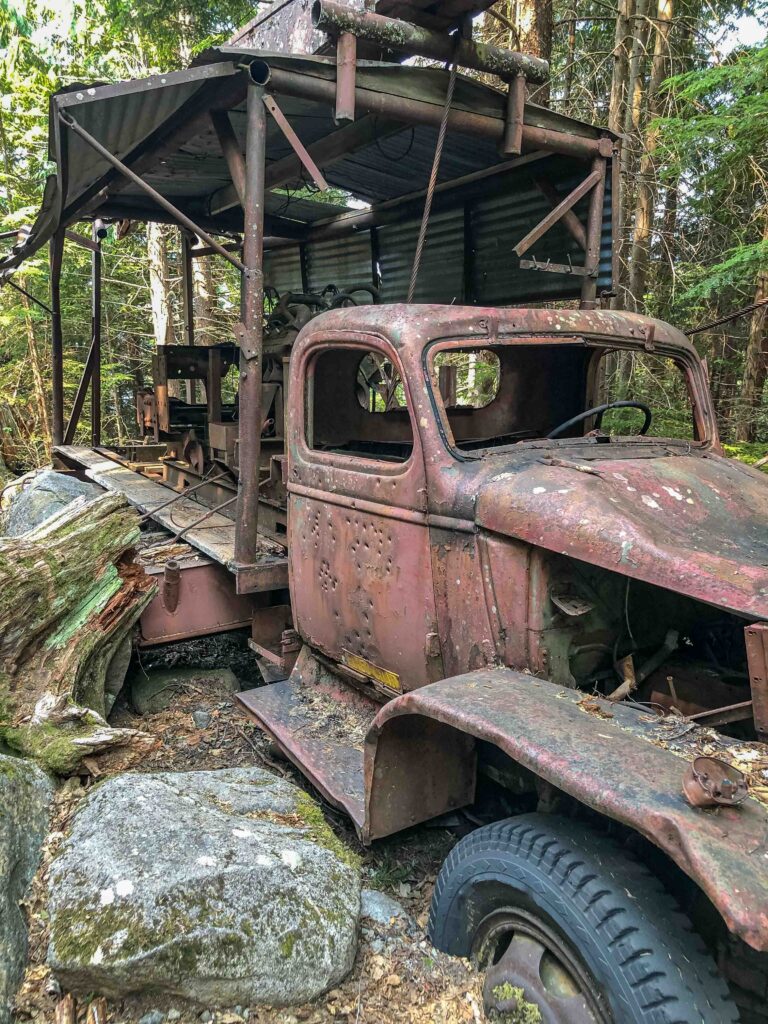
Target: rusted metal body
{"points": [[412, 570], [612, 764], [195, 599]]}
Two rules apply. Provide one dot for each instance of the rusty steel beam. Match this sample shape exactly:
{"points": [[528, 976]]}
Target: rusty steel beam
{"points": [[295, 142], [570, 220], [346, 66], [412, 111], [156, 197], [250, 332], [756, 637], [28, 295], [56, 249], [405, 37], [512, 142], [202, 518], [187, 289], [230, 147], [324, 152], [79, 402], [81, 240], [550, 219], [391, 209], [594, 233], [99, 231]]}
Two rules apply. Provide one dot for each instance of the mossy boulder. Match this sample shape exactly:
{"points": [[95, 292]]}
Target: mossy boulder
{"points": [[25, 796], [224, 887]]}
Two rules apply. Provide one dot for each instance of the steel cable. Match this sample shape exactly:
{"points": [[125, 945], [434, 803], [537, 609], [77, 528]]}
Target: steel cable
{"points": [[432, 184]]}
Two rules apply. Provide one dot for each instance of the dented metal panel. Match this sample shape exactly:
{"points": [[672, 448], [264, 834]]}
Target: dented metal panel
{"points": [[612, 763]]}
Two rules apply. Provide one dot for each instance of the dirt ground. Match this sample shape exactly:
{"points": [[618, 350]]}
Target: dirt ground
{"points": [[397, 976]]}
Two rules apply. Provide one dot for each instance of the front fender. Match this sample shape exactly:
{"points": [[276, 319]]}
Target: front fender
{"points": [[420, 761]]}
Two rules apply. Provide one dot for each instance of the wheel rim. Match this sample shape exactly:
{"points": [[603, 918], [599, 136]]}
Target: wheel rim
{"points": [[519, 950]]}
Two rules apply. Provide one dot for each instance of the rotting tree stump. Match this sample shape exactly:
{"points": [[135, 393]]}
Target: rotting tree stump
{"points": [[70, 595]]}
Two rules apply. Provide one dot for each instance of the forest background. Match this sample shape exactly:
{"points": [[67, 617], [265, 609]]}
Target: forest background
{"points": [[685, 81]]}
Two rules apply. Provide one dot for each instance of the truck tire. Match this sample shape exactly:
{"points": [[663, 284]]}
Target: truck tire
{"points": [[551, 907]]}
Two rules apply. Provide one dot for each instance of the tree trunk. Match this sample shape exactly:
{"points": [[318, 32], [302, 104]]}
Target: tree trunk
{"points": [[205, 302], [37, 376], [755, 360], [646, 189], [159, 285], [619, 79], [534, 27], [70, 595]]}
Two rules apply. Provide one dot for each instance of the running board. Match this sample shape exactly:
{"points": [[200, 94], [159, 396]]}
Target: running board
{"points": [[320, 724]]}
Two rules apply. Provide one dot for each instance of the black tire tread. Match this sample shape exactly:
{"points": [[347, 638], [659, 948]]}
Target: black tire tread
{"points": [[680, 984]]}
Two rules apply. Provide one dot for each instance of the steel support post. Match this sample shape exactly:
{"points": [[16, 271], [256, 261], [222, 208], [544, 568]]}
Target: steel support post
{"points": [[512, 142], [98, 233], [250, 333], [57, 340], [594, 232], [188, 290], [346, 58], [180, 217]]}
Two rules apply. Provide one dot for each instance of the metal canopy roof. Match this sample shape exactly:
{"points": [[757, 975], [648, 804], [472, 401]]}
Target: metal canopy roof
{"points": [[161, 128]]}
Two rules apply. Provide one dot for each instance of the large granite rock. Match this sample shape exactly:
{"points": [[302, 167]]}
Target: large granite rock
{"points": [[25, 795], [41, 495], [225, 887]]}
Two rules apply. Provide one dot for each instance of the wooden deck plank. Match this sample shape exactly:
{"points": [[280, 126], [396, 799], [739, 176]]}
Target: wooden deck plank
{"points": [[214, 538]]}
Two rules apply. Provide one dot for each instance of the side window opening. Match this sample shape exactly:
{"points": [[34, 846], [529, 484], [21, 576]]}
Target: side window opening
{"points": [[356, 405]]}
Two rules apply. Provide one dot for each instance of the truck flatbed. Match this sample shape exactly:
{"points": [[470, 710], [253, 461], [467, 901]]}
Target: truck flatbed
{"points": [[215, 537]]}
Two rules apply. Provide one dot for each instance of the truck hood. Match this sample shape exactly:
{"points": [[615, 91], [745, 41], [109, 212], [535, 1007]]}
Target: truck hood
{"points": [[694, 524]]}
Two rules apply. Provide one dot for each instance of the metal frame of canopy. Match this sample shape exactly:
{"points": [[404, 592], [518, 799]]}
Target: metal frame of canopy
{"points": [[202, 98]]}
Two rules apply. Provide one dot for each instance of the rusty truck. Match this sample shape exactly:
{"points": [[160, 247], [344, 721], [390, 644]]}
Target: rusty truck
{"points": [[475, 517]]}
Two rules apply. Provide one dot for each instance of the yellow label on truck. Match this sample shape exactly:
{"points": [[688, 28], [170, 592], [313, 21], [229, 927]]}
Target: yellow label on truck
{"points": [[366, 668]]}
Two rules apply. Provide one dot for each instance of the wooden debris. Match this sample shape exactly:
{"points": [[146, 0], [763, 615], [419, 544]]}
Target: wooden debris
{"points": [[70, 595]]}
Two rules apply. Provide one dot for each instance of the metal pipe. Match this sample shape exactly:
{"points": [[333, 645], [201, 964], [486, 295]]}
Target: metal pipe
{"points": [[98, 234], [230, 147], [80, 395], [188, 291], [295, 142], [411, 111], [202, 518], [405, 37], [161, 201], [251, 331], [23, 291], [594, 232], [512, 143], [180, 495], [346, 65], [57, 340], [171, 585]]}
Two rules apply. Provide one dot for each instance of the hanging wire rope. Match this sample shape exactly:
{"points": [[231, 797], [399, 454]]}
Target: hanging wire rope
{"points": [[432, 184], [727, 319]]}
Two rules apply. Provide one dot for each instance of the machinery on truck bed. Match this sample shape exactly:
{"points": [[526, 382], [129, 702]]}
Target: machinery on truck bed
{"points": [[480, 570]]}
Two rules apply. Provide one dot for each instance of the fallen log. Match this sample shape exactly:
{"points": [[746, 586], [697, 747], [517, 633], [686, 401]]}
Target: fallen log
{"points": [[70, 595]]}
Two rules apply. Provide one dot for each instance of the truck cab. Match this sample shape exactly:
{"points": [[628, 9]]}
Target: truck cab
{"points": [[459, 497]]}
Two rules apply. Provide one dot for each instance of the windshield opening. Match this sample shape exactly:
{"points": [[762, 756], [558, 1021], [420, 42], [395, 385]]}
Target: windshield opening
{"points": [[500, 395]]}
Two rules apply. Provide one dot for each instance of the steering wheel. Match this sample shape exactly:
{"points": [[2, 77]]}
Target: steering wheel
{"points": [[599, 410]]}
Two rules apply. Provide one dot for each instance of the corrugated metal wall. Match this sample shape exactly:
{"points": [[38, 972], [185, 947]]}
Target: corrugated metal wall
{"points": [[467, 257]]}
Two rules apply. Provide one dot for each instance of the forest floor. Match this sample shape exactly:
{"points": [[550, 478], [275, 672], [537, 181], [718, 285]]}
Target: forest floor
{"points": [[397, 975]]}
